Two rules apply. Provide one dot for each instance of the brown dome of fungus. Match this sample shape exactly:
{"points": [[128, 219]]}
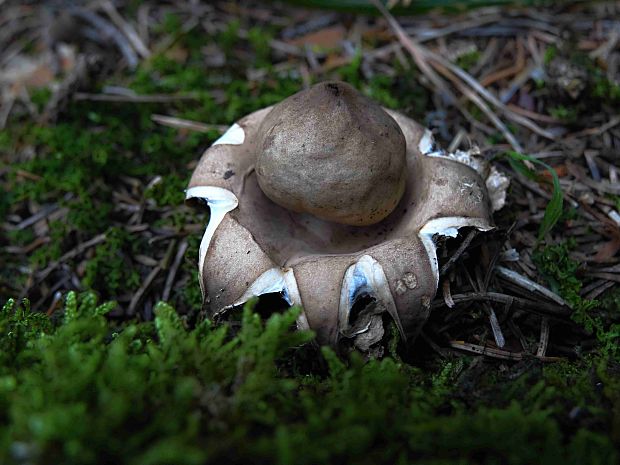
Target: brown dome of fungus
{"points": [[254, 246], [331, 152]]}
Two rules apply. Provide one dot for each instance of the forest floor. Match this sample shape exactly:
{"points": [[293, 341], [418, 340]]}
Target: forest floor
{"points": [[105, 352]]}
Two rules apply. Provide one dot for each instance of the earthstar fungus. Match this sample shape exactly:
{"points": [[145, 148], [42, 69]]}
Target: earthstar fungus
{"points": [[336, 204]]}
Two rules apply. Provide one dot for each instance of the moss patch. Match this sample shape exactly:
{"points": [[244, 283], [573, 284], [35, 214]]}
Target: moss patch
{"points": [[82, 390]]}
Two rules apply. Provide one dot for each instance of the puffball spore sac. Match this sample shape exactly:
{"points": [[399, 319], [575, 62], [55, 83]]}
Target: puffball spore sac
{"points": [[284, 185], [331, 152]]}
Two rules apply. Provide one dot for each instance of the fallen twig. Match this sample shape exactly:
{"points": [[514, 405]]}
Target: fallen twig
{"points": [[541, 308], [173, 269], [544, 337], [109, 32], [127, 29], [457, 254], [528, 284], [153, 98], [179, 123], [146, 284], [98, 239], [496, 353]]}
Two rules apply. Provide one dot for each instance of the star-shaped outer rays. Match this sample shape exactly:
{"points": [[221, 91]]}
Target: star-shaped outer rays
{"points": [[253, 247]]}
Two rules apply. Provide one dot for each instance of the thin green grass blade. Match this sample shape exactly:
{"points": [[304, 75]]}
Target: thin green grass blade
{"points": [[554, 208]]}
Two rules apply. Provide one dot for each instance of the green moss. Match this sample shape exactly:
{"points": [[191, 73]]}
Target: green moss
{"points": [[611, 302], [229, 37], [84, 391], [165, 75], [171, 24], [89, 215], [397, 92], [599, 86], [469, 59], [570, 385], [18, 326], [40, 96], [108, 271], [114, 144], [259, 39], [169, 191], [550, 53], [603, 88], [168, 76], [565, 114], [58, 234], [561, 271]]}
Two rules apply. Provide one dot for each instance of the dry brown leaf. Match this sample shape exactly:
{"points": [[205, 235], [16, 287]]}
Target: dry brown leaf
{"points": [[329, 37], [177, 54], [607, 250]]}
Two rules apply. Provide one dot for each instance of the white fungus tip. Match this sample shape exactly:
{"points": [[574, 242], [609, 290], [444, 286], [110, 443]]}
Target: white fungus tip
{"points": [[220, 201], [427, 143], [235, 135], [447, 227], [275, 281], [496, 182], [366, 276]]}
